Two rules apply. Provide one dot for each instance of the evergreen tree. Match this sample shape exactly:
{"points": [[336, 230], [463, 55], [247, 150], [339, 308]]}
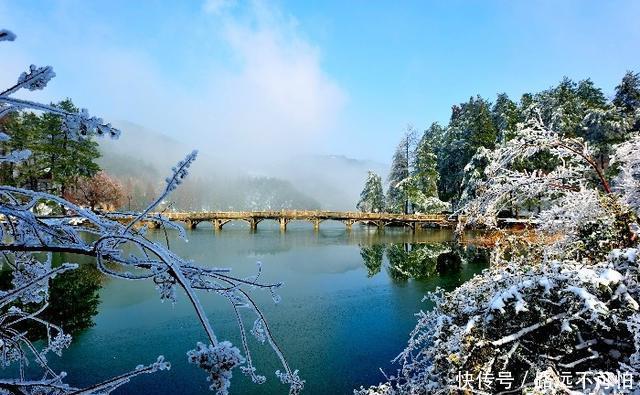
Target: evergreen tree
{"points": [[564, 107], [560, 107], [505, 116], [590, 96], [66, 159], [470, 128], [56, 161], [425, 167], [397, 196], [26, 135], [422, 186], [372, 196], [627, 97]]}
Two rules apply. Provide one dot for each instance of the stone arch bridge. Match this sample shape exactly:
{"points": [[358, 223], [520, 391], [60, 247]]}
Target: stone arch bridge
{"points": [[219, 218]]}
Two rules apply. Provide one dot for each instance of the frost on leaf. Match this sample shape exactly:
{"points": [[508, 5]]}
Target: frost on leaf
{"points": [[180, 171], [36, 78], [58, 343], [7, 35], [166, 286], [218, 361], [28, 271], [258, 330], [81, 124], [292, 379]]}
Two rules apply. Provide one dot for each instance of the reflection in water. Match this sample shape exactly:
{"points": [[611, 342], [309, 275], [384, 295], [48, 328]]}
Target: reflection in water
{"points": [[419, 260], [73, 299], [372, 257], [413, 260]]}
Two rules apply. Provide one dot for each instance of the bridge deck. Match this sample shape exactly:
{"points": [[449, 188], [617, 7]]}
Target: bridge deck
{"points": [[303, 215], [220, 218]]}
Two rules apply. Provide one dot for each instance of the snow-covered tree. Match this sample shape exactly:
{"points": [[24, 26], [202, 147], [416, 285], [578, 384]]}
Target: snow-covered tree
{"points": [[559, 299], [506, 116], [422, 185], [120, 250], [471, 127], [372, 195], [627, 96], [397, 198]]}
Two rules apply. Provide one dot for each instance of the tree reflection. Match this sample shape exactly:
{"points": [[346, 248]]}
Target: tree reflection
{"points": [[373, 257], [73, 299], [412, 260], [419, 260]]}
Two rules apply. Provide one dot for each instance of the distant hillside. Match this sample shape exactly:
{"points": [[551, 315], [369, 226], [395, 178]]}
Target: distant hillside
{"points": [[142, 158], [334, 180]]}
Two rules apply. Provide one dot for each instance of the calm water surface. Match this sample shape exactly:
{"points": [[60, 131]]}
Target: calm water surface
{"points": [[347, 307]]}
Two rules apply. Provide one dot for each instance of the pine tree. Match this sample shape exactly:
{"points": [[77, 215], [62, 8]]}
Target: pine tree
{"points": [[565, 106], [56, 160], [397, 196], [26, 135], [425, 167], [505, 116], [627, 97], [372, 195], [66, 159], [590, 95], [422, 185], [470, 128]]}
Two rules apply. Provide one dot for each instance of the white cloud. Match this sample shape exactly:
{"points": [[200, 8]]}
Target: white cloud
{"points": [[279, 96], [218, 6]]}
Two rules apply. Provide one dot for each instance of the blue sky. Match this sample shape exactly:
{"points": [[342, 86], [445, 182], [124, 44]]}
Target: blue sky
{"points": [[319, 77]]}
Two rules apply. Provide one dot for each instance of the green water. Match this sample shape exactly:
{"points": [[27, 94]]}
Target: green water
{"points": [[347, 307]]}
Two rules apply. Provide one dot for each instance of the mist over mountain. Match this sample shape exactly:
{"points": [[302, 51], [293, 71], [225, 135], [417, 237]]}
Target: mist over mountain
{"points": [[142, 158], [334, 180]]}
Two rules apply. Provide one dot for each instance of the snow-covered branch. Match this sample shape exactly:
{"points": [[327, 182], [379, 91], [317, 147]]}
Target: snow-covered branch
{"points": [[118, 243]]}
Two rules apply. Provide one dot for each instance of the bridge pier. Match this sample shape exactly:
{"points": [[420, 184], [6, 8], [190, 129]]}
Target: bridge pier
{"points": [[316, 224], [349, 223], [283, 224], [218, 223], [253, 224], [191, 224]]}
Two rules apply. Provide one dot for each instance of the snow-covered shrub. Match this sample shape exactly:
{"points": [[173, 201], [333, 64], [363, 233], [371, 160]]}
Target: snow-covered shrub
{"points": [[627, 183], [121, 250], [522, 320]]}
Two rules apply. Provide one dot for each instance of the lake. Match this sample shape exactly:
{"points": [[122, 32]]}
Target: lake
{"points": [[347, 307]]}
